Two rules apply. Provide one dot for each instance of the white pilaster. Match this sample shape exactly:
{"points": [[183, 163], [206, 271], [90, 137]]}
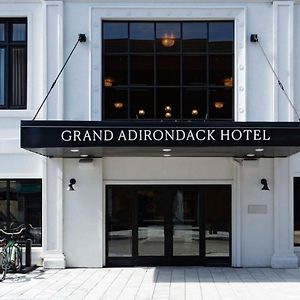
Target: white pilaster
{"points": [[284, 256], [283, 17], [53, 58], [53, 109]]}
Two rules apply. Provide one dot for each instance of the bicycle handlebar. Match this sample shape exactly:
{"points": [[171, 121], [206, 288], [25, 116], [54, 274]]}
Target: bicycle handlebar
{"points": [[12, 233]]}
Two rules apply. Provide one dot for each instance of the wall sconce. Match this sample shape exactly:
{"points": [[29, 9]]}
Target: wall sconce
{"points": [[70, 187], [168, 40], [264, 182]]}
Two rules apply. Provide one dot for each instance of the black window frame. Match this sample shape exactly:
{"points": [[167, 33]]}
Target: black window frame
{"points": [[8, 44], [207, 88], [8, 198]]}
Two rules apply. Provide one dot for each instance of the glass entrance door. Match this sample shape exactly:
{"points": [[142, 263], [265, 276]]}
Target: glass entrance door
{"points": [[168, 225]]}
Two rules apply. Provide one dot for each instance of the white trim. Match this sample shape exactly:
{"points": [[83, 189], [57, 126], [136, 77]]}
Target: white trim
{"points": [[157, 11]]}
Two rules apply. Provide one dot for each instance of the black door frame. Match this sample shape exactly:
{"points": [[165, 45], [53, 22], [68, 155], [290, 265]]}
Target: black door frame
{"points": [[168, 259]]}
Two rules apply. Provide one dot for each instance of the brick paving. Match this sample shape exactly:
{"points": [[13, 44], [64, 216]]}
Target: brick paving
{"points": [[154, 283]]}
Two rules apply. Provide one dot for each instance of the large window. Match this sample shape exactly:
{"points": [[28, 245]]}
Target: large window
{"points": [[21, 206], [168, 70], [297, 211], [13, 63]]}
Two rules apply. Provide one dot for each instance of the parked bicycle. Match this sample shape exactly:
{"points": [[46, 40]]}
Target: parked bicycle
{"points": [[11, 254]]}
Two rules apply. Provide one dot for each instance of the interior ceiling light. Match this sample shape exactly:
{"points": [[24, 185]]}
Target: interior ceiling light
{"points": [[108, 82], [168, 40], [194, 112], [228, 81], [218, 104], [74, 150], [142, 112], [118, 105], [259, 149], [168, 115], [168, 108]]}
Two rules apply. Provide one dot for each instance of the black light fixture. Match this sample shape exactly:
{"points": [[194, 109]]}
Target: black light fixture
{"points": [[264, 182], [70, 187]]}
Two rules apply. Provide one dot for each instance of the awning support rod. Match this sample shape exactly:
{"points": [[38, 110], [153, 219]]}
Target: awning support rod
{"points": [[81, 39], [254, 39]]}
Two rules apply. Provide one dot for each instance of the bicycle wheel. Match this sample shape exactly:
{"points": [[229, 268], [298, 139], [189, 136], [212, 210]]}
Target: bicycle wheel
{"points": [[17, 265], [3, 266]]}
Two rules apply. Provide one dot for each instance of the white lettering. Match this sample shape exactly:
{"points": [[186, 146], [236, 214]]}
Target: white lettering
{"points": [[69, 136], [197, 135], [76, 135], [257, 133], [237, 136], [86, 136], [122, 136], [132, 135], [210, 134], [264, 136], [224, 135]]}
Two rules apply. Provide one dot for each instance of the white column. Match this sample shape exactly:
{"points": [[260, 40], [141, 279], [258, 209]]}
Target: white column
{"points": [[53, 109], [284, 256], [283, 17]]}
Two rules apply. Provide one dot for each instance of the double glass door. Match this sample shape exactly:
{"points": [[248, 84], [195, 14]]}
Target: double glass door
{"points": [[168, 225]]}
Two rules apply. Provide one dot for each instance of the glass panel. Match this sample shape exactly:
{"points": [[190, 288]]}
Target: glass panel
{"points": [[217, 220], [3, 204], [220, 103], [26, 207], [19, 74], [115, 36], [116, 70], [142, 104], [220, 36], [194, 36], [2, 32], [194, 70], [142, 69], [168, 37], [194, 103], [2, 74], [19, 33], [151, 237], [168, 70], [220, 70], [168, 103], [185, 224], [141, 37], [116, 103], [119, 214], [297, 211]]}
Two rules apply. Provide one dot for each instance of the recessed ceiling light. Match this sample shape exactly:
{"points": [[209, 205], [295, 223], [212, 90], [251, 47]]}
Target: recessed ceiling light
{"points": [[84, 155], [167, 155], [167, 150], [74, 150], [250, 155], [259, 149]]}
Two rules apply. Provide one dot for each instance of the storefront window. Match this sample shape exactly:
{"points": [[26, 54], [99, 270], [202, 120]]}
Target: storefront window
{"points": [[168, 70], [21, 206]]}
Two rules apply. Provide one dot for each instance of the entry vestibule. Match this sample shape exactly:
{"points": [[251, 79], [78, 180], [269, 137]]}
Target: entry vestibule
{"points": [[168, 225]]}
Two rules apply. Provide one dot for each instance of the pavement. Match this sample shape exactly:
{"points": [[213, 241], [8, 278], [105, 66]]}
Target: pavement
{"points": [[154, 283]]}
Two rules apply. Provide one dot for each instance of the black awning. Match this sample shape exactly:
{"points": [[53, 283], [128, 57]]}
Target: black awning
{"points": [[136, 138]]}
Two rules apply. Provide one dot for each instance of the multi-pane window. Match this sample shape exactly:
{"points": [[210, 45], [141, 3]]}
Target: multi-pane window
{"points": [[21, 206], [168, 70], [13, 63]]}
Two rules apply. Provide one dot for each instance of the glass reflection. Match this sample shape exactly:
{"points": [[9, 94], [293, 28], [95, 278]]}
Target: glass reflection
{"points": [[168, 103], [19, 32], [194, 70], [119, 213], [142, 103], [220, 103], [2, 32], [151, 219], [141, 37], [116, 69], [194, 103], [185, 224], [115, 36], [217, 221], [3, 204], [168, 35], [221, 36], [168, 70], [194, 36], [2, 78], [220, 70], [116, 103]]}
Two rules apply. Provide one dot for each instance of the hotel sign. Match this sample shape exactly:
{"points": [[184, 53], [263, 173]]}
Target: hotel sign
{"points": [[47, 134], [153, 136]]}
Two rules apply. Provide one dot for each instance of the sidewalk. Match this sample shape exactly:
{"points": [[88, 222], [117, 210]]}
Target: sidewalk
{"points": [[154, 283]]}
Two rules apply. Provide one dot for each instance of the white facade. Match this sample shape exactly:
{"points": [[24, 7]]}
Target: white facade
{"points": [[71, 220]]}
